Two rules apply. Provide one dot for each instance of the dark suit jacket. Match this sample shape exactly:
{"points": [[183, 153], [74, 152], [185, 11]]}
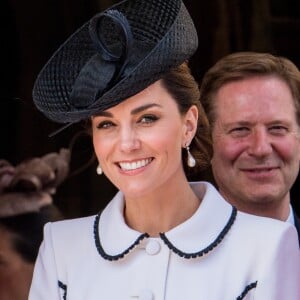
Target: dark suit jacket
{"points": [[297, 224]]}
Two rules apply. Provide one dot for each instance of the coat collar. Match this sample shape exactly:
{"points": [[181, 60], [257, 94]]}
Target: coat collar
{"points": [[114, 239]]}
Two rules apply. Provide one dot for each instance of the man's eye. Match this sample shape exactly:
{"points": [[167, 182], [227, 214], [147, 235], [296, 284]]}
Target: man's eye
{"points": [[239, 131], [148, 119], [278, 130]]}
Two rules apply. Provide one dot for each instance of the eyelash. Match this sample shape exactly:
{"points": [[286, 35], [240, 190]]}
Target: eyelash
{"points": [[239, 129], [104, 125], [276, 129], [145, 119], [148, 119]]}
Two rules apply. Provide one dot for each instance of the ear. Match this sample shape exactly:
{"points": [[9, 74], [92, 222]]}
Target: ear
{"points": [[190, 125]]}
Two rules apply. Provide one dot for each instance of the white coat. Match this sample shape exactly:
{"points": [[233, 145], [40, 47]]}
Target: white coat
{"points": [[217, 254]]}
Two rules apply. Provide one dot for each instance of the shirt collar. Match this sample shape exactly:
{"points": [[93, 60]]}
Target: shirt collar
{"points": [[193, 235], [291, 217]]}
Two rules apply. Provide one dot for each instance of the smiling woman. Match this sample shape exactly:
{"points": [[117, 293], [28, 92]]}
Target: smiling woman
{"points": [[126, 71], [138, 137]]}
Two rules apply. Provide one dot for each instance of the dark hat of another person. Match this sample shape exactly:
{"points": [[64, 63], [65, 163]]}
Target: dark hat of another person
{"points": [[114, 56]]}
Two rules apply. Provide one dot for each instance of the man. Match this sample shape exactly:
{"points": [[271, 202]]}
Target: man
{"points": [[253, 104]]}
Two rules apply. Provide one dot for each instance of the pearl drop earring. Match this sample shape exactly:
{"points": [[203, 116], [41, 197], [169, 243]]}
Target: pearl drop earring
{"points": [[99, 170], [191, 162]]}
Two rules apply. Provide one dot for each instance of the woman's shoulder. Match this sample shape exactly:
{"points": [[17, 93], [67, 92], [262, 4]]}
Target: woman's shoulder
{"points": [[70, 231], [265, 222], [67, 224], [266, 230]]}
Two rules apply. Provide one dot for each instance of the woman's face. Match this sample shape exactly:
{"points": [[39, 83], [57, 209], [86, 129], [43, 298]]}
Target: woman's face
{"points": [[15, 273], [138, 143]]}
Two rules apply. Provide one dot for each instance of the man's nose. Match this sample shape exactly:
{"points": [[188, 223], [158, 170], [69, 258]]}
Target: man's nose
{"points": [[260, 143]]}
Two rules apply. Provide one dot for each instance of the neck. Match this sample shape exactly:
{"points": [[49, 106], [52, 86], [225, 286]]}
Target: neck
{"points": [[162, 210], [279, 210]]}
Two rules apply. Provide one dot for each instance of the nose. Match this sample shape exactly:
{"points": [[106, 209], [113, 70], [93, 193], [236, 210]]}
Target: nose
{"points": [[260, 144], [129, 140]]}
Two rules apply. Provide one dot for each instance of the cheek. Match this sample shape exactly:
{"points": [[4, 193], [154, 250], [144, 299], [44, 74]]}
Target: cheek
{"points": [[288, 150], [163, 146], [169, 141], [226, 149], [7, 273], [101, 146]]}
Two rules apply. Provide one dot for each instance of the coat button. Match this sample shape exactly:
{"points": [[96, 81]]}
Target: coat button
{"points": [[146, 295], [152, 247]]}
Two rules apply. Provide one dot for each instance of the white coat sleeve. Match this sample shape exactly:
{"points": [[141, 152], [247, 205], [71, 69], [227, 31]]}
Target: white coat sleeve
{"points": [[281, 278], [44, 284]]}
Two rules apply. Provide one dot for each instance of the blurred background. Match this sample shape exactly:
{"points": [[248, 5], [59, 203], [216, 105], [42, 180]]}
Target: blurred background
{"points": [[32, 30]]}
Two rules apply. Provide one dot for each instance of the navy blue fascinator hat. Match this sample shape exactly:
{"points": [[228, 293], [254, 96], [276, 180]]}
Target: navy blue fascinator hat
{"points": [[114, 56]]}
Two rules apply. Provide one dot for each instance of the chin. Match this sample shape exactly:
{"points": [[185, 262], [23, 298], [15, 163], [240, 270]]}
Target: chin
{"points": [[262, 199]]}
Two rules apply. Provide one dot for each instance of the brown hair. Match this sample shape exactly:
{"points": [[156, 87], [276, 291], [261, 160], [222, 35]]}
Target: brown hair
{"points": [[180, 83], [241, 65]]}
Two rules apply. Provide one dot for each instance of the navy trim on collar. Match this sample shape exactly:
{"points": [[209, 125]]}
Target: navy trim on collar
{"points": [[200, 253]]}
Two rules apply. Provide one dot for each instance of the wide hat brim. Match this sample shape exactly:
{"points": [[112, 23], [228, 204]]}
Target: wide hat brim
{"points": [[80, 78]]}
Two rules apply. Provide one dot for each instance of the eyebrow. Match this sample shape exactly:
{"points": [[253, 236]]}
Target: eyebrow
{"points": [[239, 123], [144, 107], [133, 112]]}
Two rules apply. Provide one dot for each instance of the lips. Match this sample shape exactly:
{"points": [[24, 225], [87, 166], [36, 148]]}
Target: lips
{"points": [[133, 165], [262, 174], [259, 170]]}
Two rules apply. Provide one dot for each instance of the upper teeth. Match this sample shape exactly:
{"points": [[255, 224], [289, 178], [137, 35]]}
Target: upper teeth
{"points": [[134, 165]]}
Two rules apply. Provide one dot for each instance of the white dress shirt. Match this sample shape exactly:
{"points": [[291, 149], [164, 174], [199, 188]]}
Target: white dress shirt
{"points": [[291, 218]]}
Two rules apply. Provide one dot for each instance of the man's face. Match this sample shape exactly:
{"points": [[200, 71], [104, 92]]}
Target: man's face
{"points": [[256, 143]]}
